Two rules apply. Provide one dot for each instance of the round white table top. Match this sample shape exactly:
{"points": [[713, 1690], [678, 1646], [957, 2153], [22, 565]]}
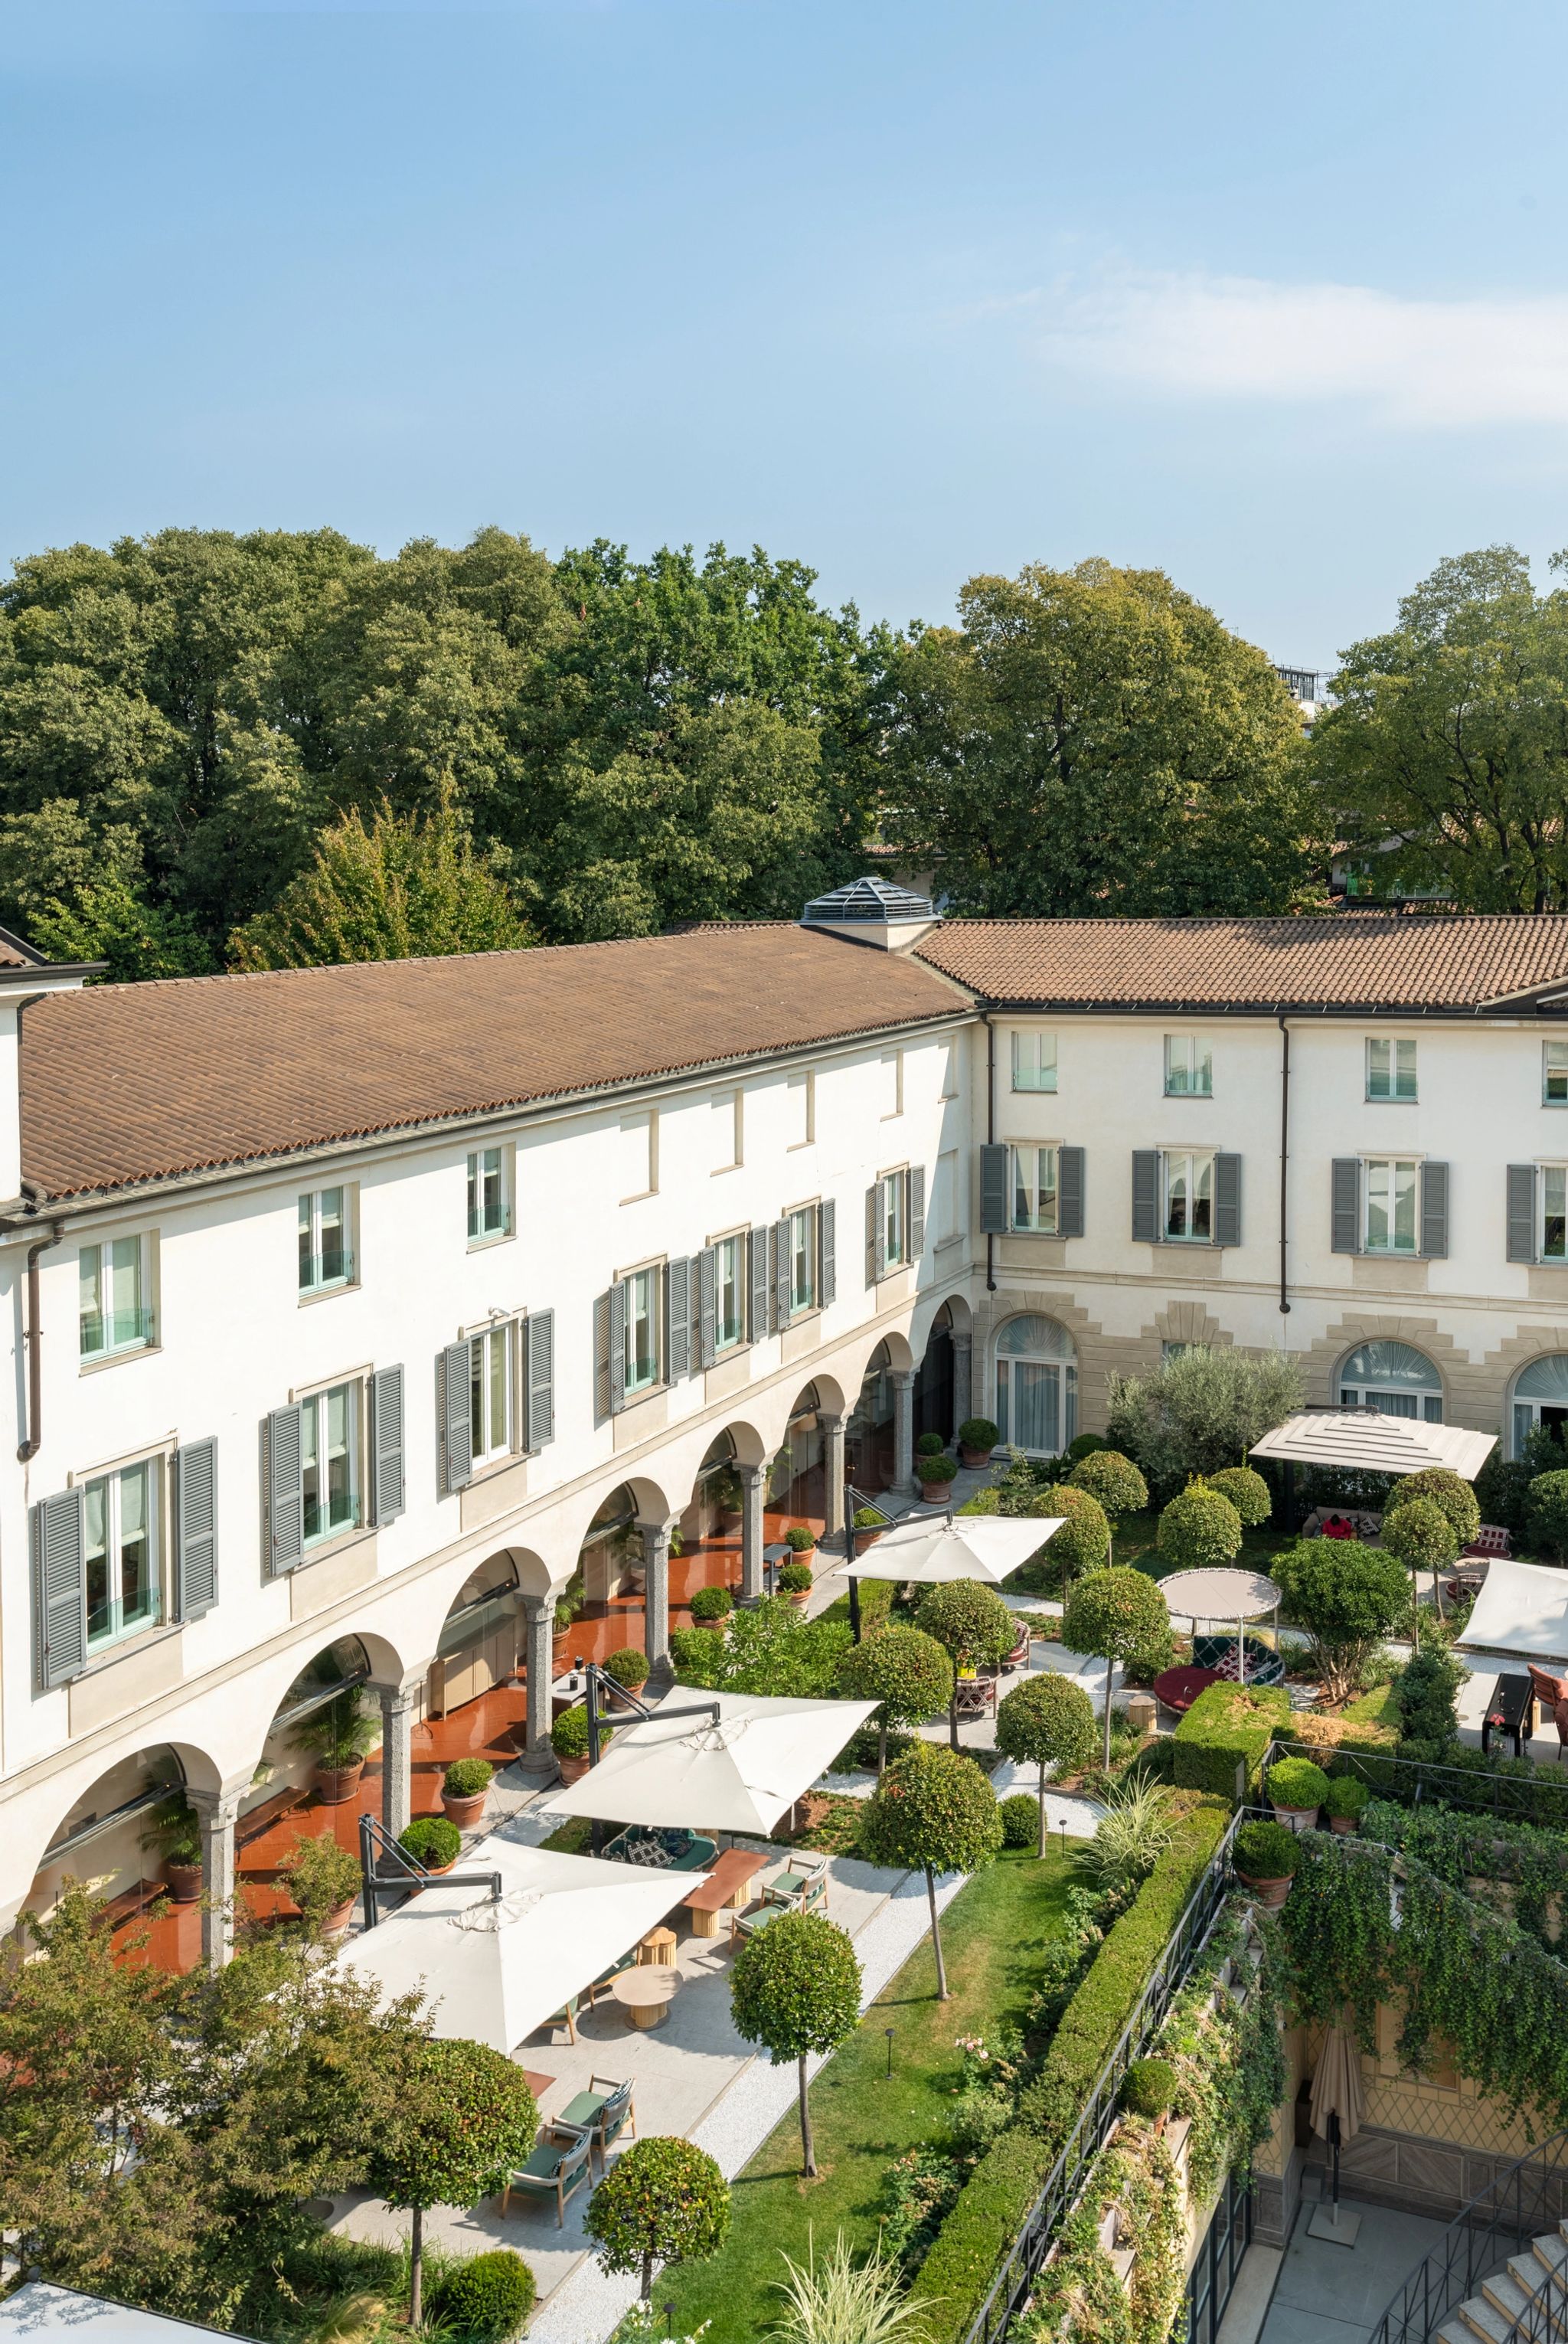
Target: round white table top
{"points": [[1218, 1594], [649, 1982]]}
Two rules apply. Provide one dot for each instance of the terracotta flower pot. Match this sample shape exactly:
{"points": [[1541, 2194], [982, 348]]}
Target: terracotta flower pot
{"points": [[974, 1457], [572, 1769], [335, 1924], [936, 1493], [800, 1597], [1269, 1894], [335, 1785], [1345, 1824], [729, 1522], [463, 1813], [1297, 1819], [805, 1554], [185, 1881]]}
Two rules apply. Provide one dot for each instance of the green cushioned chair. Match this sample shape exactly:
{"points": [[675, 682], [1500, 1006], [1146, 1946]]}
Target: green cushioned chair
{"points": [[558, 2169]]}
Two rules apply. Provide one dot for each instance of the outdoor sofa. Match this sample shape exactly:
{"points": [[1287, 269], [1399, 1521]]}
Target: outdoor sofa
{"points": [[662, 1847]]}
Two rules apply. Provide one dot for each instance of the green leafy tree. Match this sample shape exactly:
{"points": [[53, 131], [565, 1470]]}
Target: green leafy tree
{"points": [[905, 1671], [1449, 1492], [933, 1809], [1111, 1613], [1247, 1490], [1046, 1721], [1201, 1411], [662, 2201], [1115, 1484], [1199, 1530], [1093, 741], [770, 1647], [1546, 1512], [1084, 1542], [467, 2122], [1421, 1535], [1423, 1694], [795, 1988], [972, 1624], [1348, 1597]]}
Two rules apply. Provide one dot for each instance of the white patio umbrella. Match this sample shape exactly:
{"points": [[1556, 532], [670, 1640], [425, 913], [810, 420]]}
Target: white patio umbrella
{"points": [[1521, 1613], [931, 1549], [494, 1971], [739, 1773], [1220, 1594], [1365, 1440]]}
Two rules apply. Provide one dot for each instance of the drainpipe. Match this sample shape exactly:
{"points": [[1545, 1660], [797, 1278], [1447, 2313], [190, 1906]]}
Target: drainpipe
{"points": [[34, 1342], [1284, 1162], [991, 1133]]}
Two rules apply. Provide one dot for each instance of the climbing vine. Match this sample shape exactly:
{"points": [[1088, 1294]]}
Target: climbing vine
{"points": [[1518, 1870]]}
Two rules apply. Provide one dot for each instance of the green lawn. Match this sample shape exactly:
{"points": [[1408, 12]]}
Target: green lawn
{"points": [[994, 1933], [1374, 1708]]}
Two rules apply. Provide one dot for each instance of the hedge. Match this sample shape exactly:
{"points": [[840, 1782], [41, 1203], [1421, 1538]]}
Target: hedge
{"points": [[1228, 1727], [993, 2204]]}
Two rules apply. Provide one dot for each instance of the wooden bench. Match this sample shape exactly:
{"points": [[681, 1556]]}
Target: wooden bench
{"points": [[271, 1811]]}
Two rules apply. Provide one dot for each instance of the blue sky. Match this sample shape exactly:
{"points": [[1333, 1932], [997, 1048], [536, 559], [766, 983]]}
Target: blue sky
{"points": [[1274, 298]]}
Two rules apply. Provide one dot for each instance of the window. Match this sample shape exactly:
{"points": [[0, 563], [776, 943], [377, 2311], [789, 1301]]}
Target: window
{"points": [[639, 1156], [1393, 1378], [803, 1242], [1034, 1189], [121, 1551], [729, 1293], [326, 1255], [1391, 1069], [642, 1360], [1169, 1351], [1554, 1232], [1035, 1386], [115, 1313], [1555, 1074], [1188, 1067], [891, 1200], [1392, 1184], [490, 1208], [945, 1197], [729, 1133], [802, 1110], [893, 1085], [1033, 1061], [1190, 1200], [1541, 1400], [329, 1454], [491, 1359]]}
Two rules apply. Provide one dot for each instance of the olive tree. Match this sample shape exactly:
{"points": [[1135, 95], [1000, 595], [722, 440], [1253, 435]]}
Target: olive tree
{"points": [[935, 1810], [1112, 1613], [1046, 1721], [907, 1672], [795, 1988], [466, 2121], [1201, 1411], [971, 1623]]}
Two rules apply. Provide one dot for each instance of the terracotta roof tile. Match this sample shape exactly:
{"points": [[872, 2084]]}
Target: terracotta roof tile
{"points": [[129, 1082]]}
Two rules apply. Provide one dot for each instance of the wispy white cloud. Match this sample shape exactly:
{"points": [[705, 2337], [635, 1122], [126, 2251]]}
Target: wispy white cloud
{"points": [[1438, 364]]}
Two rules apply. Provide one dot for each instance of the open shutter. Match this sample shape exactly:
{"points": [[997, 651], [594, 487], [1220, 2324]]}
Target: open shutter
{"points": [[678, 1319], [1522, 1212], [617, 1347], [1434, 1210], [916, 1211], [756, 1258], [1227, 1200], [827, 1256], [59, 1590], [387, 1444], [1146, 1196], [539, 1379], [1069, 1192], [779, 1262], [1345, 1212], [993, 1184], [284, 1490], [456, 1417], [193, 1516], [707, 1306]]}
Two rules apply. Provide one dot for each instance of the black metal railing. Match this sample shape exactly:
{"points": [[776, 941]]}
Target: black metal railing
{"points": [[1021, 2264], [1415, 1782], [1526, 2199]]}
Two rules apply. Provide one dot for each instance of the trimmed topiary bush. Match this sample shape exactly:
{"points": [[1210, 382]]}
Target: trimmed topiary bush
{"points": [[1348, 1597], [465, 1778], [568, 1735], [1046, 1721], [489, 2296], [929, 1444], [795, 1578], [939, 1469], [972, 1625], [977, 1432], [711, 1603], [1248, 1492], [1017, 1820], [1084, 1542], [1266, 1851], [1148, 2088], [431, 1840], [984, 1501], [1448, 1491], [1200, 1530], [1546, 1513], [903, 1669], [1348, 1797], [1113, 1481], [935, 1809], [798, 1539], [1111, 1613], [1423, 1694], [628, 1667], [1221, 1740], [1085, 1445], [1297, 1784], [661, 2201], [1420, 1534]]}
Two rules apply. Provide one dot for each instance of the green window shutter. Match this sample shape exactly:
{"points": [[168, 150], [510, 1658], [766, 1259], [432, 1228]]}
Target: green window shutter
{"points": [[1227, 1200], [284, 1491], [995, 1173], [1345, 1204], [916, 1211], [678, 1319], [455, 1393], [826, 1261], [707, 1306], [1434, 1211], [193, 1514], [1069, 1192], [1522, 1212], [539, 1378], [779, 1254], [387, 1498], [1145, 1196], [59, 1590], [761, 1291], [617, 1335]]}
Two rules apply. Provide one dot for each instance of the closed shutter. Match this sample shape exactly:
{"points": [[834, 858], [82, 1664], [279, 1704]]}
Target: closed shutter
{"points": [[778, 1261], [916, 1211], [284, 1490], [1522, 1212], [193, 1516], [707, 1306], [539, 1379], [993, 1188], [387, 1498], [1345, 1212], [757, 1263], [1146, 1196], [59, 1590], [1227, 1200], [1069, 1192], [1434, 1210], [456, 1417], [827, 1252], [678, 1319]]}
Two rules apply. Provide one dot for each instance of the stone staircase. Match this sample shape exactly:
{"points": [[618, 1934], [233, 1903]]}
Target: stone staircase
{"points": [[1527, 2300]]}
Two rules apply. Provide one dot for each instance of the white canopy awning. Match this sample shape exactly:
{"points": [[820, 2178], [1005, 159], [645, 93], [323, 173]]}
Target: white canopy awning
{"points": [[494, 1972], [41, 2309], [739, 1774], [932, 1549], [1365, 1440], [1219, 1595], [1522, 1610]]}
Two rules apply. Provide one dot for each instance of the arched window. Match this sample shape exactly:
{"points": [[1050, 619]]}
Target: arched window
{"points": [[1541, 1398], [1035, 1386], [1393, 1379]]}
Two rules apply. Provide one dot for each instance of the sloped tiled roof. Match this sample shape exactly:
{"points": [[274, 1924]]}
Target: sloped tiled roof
{"points": [[1348, 960]]}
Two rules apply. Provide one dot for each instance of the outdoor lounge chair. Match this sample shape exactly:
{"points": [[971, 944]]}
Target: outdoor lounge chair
{"points": [[603, 2112], [601, 1983], [802, 1885], [567, 2015], [558, 2169], [974, 1696]]}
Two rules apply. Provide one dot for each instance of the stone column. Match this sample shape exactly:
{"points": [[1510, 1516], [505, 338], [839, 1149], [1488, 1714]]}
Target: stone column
{"points": [[655, 1561], [397, 1751], [833, 1511], [903, 1382], [963, 1378], [753, 1487], [538, 1760], [217, 1812]]}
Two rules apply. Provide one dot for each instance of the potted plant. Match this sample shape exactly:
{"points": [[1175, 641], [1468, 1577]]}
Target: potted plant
{"points": [[464, 1789], [711, 1603], [1347, 1799], [568, 1739], [1297, 1789], [724, 1490], [322, 1879], [340, 1737], [173, 1830], [628, 1667], [869, 1523], [432, 1842], [935, 1474], [978, 1436], [795, 1582], [1148, 2090], [801, 1541], [1266, 1857], [929, 1444]]}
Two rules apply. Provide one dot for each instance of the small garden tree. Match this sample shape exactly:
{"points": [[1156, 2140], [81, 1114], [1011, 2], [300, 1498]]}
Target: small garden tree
{"points": [[1546, 1513], [795, 1988], [934, 1810], [1424, 1693], [1248, 1492], [1202, 1411], [1199, 1530], [1450, 1492], [1421, 1535], [903, 1669], [971, 1623], [466, 2120], [662, 2201], [1115, 1484], [1111, 1614], [1348, 1597], [1046, 1721]]}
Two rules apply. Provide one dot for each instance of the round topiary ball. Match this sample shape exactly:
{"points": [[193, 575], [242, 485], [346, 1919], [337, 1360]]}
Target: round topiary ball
{"points": [[1112, 1481], [1020, 1820], [628, 1667], [1150, 2088], [1085, 1445], [712, 1603], [489, 2296], [1084, 1542], [1248, 1492], [1200, 1528], [1447, 1491], [1420, 1534]]}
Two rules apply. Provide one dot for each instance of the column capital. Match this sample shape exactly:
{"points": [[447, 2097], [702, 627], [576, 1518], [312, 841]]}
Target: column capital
{"points": [[535, 1606], [393, 1692], [902, 1378], [829, 1420], [962, 1338], [751, 1474], [220, 1806]]}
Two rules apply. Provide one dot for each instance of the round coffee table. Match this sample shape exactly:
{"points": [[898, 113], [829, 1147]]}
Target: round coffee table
{"points": [[646, 1992]]}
